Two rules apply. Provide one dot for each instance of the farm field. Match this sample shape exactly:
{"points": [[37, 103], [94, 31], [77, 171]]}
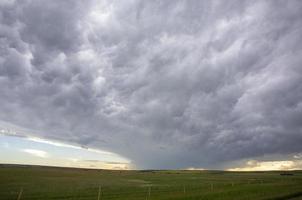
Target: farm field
{"points": [[45, 183]]}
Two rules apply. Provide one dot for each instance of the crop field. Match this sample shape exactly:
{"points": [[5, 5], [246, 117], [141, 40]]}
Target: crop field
{"points": [[43, 183]]}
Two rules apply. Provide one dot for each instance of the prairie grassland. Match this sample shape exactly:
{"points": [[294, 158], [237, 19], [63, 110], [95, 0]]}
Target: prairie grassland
{"points": [[45, 183]]}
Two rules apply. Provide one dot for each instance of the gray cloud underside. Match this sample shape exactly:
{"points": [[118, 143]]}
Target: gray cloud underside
{"points": [[167, 84]]}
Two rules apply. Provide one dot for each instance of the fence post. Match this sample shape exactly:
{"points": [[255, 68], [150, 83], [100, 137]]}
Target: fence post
{"points": [[99, 193], [20, 193]]}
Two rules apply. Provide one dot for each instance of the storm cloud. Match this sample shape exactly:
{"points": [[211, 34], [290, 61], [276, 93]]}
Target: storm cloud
{"points": [[167, 84]]}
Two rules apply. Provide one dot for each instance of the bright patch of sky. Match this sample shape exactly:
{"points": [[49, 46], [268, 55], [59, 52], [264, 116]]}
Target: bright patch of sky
{"points": [[254, 165], [36, 151]]}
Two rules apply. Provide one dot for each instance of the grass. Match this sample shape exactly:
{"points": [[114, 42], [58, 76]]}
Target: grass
{"points": [[45, 183]]}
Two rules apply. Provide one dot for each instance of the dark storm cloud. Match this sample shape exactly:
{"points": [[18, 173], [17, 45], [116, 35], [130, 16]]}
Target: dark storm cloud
{"points": [[168, 84]]}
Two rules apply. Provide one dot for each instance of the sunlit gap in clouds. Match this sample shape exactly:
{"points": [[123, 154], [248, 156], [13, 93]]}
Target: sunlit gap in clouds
{"points": [[255, 165], [17, 149]]}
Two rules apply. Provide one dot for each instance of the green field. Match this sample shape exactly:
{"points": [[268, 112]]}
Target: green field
{"points": [[62, 183]]}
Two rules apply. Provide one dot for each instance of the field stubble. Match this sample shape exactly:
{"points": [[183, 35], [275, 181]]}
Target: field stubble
{"points": [[46, 183]]}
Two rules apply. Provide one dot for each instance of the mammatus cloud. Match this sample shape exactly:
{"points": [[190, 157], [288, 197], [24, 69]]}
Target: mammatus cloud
{"points": [[167, 84]]}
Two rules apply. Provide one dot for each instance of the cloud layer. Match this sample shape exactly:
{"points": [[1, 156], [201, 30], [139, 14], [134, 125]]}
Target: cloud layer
{"points": [[167, 84], [36, 152]]}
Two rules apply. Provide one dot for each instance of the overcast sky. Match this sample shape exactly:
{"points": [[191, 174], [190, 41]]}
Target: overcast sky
{"points": [[165, 84]]}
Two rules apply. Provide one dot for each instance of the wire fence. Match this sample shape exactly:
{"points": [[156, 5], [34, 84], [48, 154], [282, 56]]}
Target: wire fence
{"points": [[146, 192]]}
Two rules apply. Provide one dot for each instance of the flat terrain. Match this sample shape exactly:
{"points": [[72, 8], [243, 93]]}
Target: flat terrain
{"points": [[28, 182]]}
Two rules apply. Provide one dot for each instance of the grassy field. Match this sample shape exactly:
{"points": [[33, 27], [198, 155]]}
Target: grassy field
{"points": [[25, 183]]}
